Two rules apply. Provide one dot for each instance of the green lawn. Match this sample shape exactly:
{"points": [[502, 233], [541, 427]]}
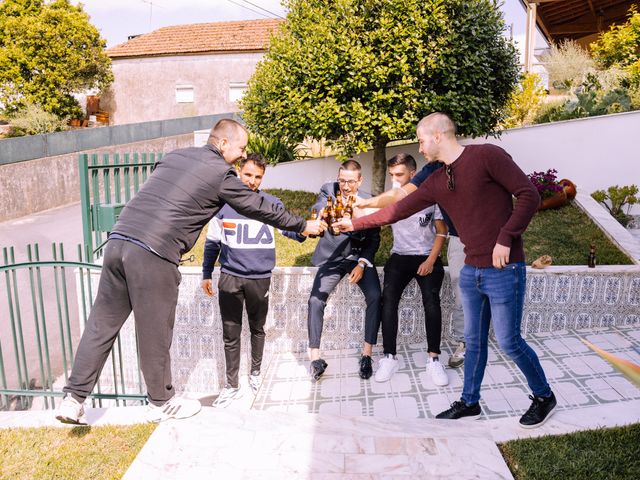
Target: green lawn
{"points": [[565, 234], [611, 453], [70, 453]]}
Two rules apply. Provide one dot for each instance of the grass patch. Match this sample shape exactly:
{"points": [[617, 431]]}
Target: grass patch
{"points": [[565, 234], [611, 453], [80, 452]]}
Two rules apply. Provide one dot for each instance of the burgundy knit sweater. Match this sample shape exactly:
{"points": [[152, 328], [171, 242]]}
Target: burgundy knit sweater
{"points": [[480, 205]]}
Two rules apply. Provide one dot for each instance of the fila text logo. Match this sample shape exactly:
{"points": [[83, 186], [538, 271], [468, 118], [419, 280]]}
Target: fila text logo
{"points": [[247, 234]]}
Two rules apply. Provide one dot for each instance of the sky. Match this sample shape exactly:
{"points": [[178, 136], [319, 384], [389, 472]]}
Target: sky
{"points": [[117, 19]]}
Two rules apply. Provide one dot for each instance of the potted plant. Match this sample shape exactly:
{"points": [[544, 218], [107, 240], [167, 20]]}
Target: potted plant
{"points": [[552, 194], [569, 188]]}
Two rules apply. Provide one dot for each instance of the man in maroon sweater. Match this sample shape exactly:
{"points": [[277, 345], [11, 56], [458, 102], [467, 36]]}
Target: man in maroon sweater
{"points": [[476, 187]]}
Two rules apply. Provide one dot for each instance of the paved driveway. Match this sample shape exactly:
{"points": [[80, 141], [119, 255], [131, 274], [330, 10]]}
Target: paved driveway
{"points": [[59, 225]]}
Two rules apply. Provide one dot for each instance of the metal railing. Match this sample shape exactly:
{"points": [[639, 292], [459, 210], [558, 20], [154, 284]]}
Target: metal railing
{"points": [[106, 185], [42, 315]]}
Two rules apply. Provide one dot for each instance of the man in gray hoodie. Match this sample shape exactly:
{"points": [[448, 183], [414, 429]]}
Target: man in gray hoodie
{"points": [[140, 269]]}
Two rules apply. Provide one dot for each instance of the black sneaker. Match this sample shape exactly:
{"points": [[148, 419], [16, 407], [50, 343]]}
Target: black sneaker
{"points": [[460, 409], [366, 367], [317, 368], [539, 411]]}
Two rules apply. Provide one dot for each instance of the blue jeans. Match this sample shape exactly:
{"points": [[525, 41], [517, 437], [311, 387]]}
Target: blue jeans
{"points": [[498, 295]]}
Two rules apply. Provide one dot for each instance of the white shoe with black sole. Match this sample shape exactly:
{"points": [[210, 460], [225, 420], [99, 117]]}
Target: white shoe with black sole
{"points": [[176, 408], [227, 396]]}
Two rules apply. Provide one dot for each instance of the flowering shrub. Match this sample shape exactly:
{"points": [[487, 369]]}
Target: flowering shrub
{"points": [[546, 183]]}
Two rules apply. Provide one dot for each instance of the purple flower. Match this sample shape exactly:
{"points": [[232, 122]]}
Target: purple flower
{"points": [[546, 182]]}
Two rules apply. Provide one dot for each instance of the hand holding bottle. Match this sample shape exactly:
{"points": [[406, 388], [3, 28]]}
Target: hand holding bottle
{"points": [[314, 227], [343, 225]]}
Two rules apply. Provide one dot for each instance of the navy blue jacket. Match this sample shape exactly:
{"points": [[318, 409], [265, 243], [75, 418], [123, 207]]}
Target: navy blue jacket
{"points": [[246, 247]]}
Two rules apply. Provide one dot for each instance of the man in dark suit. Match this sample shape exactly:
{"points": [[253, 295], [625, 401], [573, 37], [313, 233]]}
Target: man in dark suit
{"points": [[340, 255]]}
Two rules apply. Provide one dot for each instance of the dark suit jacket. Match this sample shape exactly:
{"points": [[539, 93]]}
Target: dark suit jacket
{"points": [[333, 248]]}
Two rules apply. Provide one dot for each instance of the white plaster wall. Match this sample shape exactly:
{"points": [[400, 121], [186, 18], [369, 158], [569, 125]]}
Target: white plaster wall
{"points": [[144, 88], [594, 153]]}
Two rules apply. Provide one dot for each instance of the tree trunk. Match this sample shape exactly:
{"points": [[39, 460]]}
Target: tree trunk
{"points": [[379, 166]]}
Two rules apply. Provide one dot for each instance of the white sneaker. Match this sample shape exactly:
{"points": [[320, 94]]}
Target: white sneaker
{"points": [[177, 408], [436, 372], [227, 395], [71, 411], [255, 381], [387, 366]]}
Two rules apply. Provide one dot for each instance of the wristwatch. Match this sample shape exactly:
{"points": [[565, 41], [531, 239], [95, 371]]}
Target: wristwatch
{"points": [[362, 265]]}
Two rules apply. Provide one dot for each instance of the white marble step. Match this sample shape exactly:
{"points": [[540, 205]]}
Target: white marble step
{"points": [[265, 445]]}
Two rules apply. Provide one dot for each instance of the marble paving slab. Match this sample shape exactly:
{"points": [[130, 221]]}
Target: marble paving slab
{"points": [[255, 444]]}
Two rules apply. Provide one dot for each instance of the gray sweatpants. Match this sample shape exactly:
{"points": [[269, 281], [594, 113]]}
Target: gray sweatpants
{"points": [[132, 279]]}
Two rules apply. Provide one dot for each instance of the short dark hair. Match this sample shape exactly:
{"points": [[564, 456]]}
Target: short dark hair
{"points": [[352, 166], [403, 159], [256, 158]]}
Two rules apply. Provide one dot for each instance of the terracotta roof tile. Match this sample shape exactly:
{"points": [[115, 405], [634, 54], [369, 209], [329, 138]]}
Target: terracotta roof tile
{"points": [[246, 35]]}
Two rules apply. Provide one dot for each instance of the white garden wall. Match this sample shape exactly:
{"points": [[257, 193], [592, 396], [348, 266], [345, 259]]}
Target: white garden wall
{"points": [[593, 152]]}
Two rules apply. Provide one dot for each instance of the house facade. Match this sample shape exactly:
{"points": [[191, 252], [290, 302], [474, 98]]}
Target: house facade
{"points": [[184, 70]]}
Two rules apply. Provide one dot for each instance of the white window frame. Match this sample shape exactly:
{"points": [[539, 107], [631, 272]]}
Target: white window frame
{"points": [[185, 93], [236, 90]]}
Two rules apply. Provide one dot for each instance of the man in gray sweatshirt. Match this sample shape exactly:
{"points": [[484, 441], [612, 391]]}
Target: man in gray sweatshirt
{"points": [[140, 269]]}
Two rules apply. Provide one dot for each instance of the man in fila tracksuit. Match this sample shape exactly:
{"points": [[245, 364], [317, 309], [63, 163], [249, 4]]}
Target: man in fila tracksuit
{"points": [[247, 256]]}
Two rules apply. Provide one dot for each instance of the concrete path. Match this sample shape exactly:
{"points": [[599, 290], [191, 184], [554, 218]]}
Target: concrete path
{"points": [[345, 427], [247, 444], [276, 445]]}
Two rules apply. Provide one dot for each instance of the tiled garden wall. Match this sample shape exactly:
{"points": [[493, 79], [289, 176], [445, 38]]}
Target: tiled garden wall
{"points": [[558, 298]]}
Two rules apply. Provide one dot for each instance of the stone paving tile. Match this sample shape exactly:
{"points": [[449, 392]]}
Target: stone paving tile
{"points": [[578, 376]]}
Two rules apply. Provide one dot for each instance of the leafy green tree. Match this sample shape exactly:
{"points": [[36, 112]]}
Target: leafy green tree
{"points": [[361, 73], [620, 47], [48, 51]]}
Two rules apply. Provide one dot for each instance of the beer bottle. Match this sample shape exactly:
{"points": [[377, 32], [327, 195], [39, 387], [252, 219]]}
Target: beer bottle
{"points": [[339, 208], [592, 256], [330, 214], [314, 216], [329, 206], [348, 210], [324, 216]]}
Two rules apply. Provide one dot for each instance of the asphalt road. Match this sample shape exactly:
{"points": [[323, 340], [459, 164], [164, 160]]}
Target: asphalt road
{"points": [[60, 225]]}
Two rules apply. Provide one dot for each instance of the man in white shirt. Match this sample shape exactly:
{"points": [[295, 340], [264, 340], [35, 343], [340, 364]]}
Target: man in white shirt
{"points": [[417, 242]]}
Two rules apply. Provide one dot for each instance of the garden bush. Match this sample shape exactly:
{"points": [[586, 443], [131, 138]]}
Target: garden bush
{"points": [[34, 120]]}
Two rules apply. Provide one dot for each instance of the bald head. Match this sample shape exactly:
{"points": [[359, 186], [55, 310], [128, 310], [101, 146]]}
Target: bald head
{"points": [[226, 128], [438, 122], [230, 138]]}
